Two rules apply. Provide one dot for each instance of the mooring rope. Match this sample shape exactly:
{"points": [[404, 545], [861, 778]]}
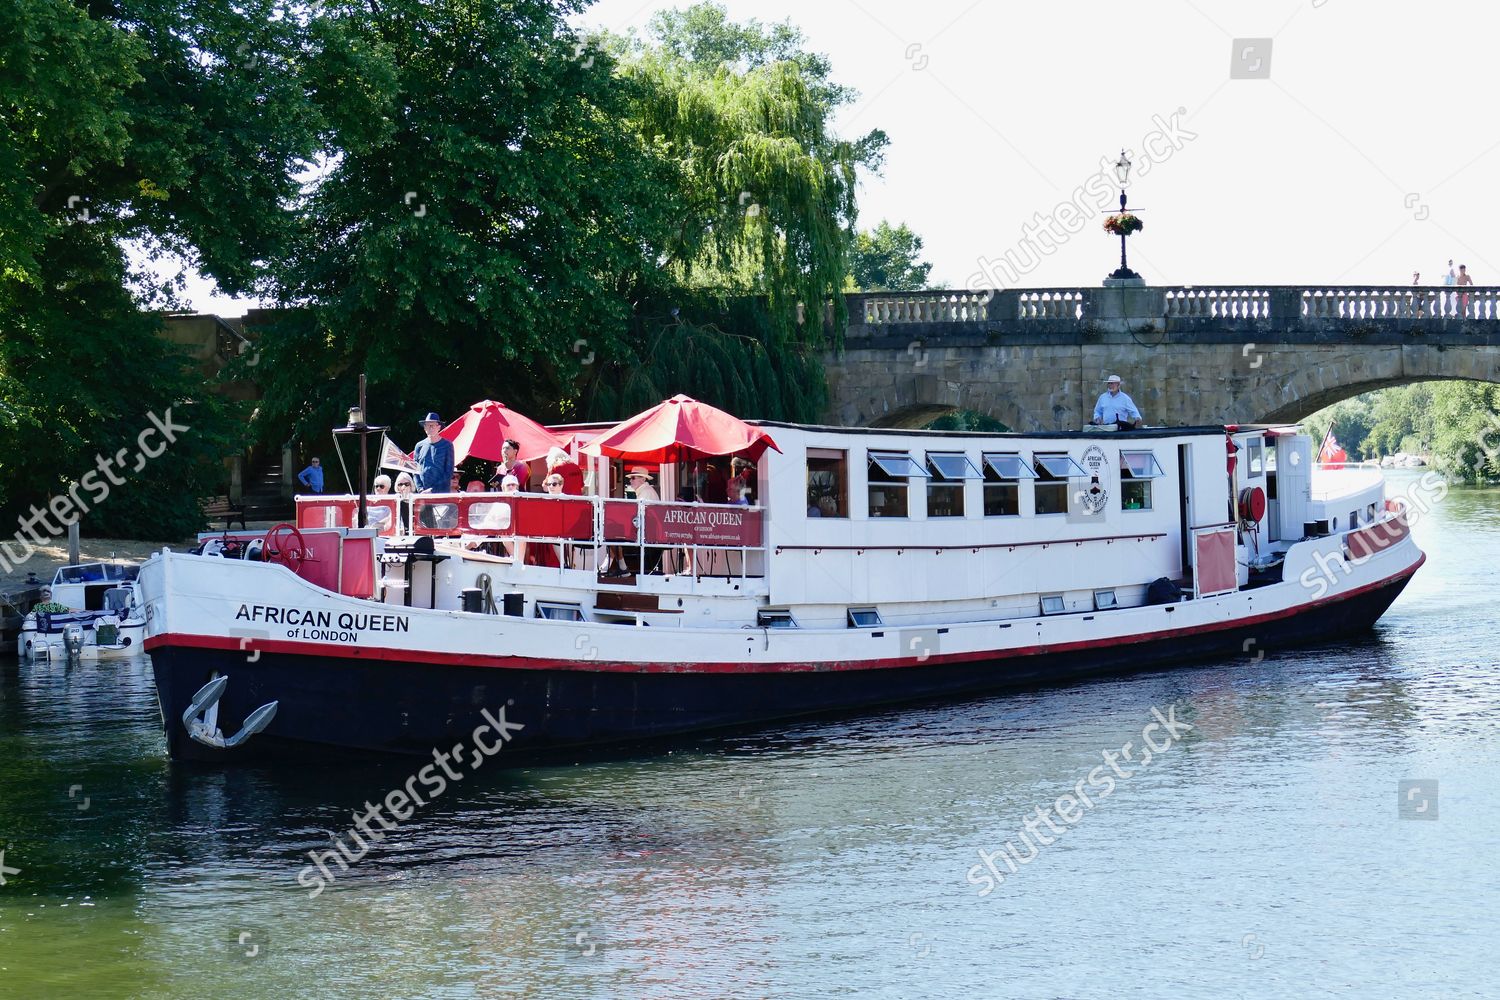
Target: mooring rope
{"points": [[486, 593]]}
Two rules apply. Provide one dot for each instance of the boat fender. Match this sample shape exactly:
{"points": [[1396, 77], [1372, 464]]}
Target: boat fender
{"points": [[1163, 591]]}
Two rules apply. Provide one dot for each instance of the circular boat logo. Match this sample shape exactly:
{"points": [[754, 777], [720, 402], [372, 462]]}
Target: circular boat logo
{"points": [[1093, 498]]}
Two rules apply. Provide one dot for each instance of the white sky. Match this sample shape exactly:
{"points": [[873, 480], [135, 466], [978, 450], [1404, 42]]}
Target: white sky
{"points": [[1374, 114]]}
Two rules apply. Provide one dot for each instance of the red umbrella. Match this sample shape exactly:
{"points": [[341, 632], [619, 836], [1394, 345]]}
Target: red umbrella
{"points": [[679, 430], [482, 431]]}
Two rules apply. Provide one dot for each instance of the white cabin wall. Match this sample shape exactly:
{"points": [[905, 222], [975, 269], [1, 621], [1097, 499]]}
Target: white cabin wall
{"points": [[920, 558]]}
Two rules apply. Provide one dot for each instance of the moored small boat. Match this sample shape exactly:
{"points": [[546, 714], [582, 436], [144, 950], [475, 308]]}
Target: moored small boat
{"points": [[91, 611]]}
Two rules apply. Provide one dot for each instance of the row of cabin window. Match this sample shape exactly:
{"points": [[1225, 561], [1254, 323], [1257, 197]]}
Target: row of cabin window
{"points": [[888, 476]]}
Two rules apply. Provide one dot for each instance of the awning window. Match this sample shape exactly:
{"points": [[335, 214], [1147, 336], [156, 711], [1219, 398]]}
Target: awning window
{"points": [[1060, 467], [1139, 465], [1008, 466], [953, 466], [897, 463]]}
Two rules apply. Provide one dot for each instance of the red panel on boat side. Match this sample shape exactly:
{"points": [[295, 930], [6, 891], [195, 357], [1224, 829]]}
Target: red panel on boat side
{"points": [[357, 577], [1213, 561], [1377, 537], [323, 563]]}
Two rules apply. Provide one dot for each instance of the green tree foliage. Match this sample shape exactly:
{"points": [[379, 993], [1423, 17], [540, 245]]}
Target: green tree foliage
{"points": [[740, 116], [455, 196], [483, 213], [1456, 423], [968, 420], [124, 122], [1466, 436], [887, 259], [743, 116], [1401, 420], [724, 354]]}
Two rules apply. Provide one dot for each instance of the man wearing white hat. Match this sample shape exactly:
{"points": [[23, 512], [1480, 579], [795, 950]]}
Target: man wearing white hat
{"points": [[1115, 407], [640, 482]]}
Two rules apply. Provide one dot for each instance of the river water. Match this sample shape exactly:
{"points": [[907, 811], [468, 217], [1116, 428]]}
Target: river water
{"points": [[1272, 851]]}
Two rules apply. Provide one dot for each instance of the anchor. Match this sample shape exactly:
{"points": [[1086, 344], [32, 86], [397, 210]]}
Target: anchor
{"points": [[206, 729]]}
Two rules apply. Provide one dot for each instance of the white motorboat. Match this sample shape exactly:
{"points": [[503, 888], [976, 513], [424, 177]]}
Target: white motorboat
{"points": [[91, 611]]}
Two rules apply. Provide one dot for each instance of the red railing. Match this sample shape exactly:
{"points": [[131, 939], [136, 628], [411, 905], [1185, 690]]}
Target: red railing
{"points": [[594, 521]]}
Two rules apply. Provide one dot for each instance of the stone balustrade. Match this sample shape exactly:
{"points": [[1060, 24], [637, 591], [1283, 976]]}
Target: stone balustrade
{"points": [[1290, 308], [926, 307]]}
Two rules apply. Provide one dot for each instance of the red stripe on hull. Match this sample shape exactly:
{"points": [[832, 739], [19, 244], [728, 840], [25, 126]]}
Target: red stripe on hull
{"points": [[601, 666]]}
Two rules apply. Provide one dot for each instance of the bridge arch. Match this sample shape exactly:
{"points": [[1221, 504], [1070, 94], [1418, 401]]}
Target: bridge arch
{"points": [[1308, 390], [915, 399]]}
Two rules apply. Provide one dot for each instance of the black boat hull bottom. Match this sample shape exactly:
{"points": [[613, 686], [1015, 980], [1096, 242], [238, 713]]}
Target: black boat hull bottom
{"points": [[337, 706]]}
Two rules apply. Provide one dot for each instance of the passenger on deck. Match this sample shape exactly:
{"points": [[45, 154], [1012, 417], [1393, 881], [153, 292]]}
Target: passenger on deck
{"points": [[512, 466], [379, 517], [716, 484], [547, 553], [640, 482], [435, 458], [742, 483], [558, 464], [475, 485], [405, 487], [1115, 407], [511, 487]]}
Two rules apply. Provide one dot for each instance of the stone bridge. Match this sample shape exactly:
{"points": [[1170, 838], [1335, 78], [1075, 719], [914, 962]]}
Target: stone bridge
{"points": [[1037, 359]]}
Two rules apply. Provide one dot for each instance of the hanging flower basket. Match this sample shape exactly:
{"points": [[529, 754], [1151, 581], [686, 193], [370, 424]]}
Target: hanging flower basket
{"points": [[1123, 225]]}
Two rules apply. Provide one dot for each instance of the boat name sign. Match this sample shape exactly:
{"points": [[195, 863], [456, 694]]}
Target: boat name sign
{"points": [[701, 525], [347, 621]]}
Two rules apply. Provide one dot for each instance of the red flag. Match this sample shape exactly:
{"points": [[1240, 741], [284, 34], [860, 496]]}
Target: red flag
{"points": [[1331, 455]]}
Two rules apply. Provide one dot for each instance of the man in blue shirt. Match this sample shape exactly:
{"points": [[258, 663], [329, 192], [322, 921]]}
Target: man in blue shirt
{"points": [[312, 477], [434, 457], [1115, 407]]}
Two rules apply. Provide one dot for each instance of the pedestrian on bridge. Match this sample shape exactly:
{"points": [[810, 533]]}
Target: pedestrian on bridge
{"points": [[1464, 278]]}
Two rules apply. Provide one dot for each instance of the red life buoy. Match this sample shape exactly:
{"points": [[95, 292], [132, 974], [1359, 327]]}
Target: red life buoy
{"points": [[1252, 504]]}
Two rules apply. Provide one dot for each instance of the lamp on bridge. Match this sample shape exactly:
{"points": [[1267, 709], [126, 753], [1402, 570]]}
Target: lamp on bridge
{"points": [[1123, 225]]}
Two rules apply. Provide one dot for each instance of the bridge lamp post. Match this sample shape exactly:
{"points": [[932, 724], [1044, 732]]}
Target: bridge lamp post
{"points": [[1122, 172]]}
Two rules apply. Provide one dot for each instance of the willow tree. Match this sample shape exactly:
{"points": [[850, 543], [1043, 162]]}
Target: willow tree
{"points": [[743, 114], [765, 196]]}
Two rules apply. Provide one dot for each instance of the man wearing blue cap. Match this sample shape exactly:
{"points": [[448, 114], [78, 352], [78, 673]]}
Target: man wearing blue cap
{"points": [[434, 457]]}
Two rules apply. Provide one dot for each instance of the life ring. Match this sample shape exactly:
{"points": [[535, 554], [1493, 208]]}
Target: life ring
{"points": [[1252, 504]]}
